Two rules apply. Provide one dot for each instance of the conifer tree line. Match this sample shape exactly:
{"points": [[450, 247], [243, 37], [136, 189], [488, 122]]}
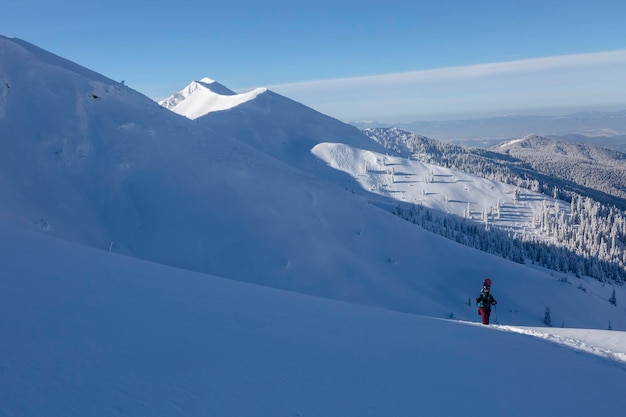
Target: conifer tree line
{"points": [[579, 245]]}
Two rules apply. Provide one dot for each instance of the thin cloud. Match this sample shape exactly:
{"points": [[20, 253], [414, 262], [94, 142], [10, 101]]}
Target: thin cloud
{"points": [[592, 79]]}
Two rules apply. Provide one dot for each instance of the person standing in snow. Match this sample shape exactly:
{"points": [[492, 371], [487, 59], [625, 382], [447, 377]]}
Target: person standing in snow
{"points": [[485, 300]]}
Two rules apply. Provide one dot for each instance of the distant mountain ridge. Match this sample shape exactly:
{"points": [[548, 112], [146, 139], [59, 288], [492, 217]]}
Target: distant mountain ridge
{"points": [[590, 166], [598, 128]]}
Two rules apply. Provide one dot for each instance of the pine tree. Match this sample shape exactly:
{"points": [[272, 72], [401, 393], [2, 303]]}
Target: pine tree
{"points": [[547, 319], [613, 299]]}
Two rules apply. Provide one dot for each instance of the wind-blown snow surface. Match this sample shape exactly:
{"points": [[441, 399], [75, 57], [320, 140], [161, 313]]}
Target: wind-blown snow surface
{"points": [[85, 332]]}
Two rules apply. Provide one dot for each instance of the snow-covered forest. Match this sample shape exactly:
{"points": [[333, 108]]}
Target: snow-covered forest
{"points": [[580, 243], [588, 239], [592, 167]]}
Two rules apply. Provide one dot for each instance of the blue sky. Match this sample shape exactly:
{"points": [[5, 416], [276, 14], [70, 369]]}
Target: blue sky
{"points": [[366, 60]]}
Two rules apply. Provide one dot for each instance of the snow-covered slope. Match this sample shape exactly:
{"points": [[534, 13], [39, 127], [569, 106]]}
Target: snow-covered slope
{"points": [[278, 126], [205, 96], [90, 333], [107, 167], [594, 167], [443, 189]]}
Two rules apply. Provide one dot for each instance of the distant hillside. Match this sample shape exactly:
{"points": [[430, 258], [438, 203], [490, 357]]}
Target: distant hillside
{"points": [[617, 142], [590, 166]]}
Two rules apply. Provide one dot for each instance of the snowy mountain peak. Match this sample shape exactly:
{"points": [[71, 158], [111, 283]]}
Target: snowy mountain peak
{"points": [[207, 80], [213, 86], [205, 83], [205, 96]]}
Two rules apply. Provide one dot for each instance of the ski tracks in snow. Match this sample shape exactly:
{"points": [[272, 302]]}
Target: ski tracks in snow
{"points": [[607, 344]]}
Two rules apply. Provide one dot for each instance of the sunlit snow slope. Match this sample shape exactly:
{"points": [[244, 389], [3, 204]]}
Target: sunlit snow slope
{"points": [[443, 189], [205, 96]]}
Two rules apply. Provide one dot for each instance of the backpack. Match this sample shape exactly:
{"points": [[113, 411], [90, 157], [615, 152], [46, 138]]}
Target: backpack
{"points": [[484, 300]]}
